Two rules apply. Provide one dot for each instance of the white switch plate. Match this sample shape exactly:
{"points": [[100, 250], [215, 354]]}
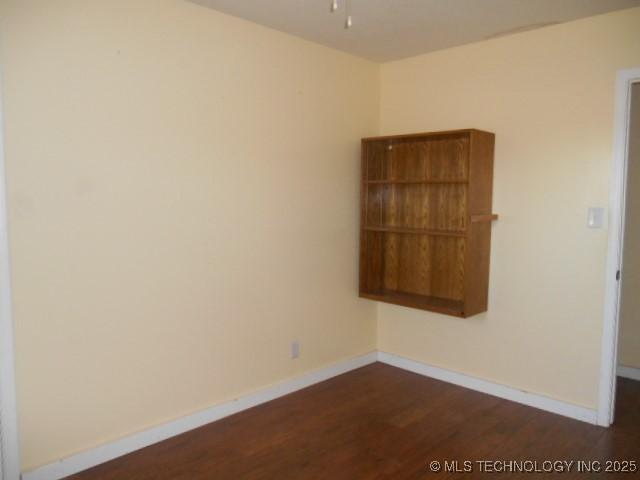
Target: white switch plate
{"points": [[295, 349], [595, 217]]}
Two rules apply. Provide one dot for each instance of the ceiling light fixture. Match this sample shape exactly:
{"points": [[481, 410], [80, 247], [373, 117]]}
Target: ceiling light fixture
{"points": [[348, 21]]}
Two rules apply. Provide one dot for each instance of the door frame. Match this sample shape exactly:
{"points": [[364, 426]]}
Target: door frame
{"points": [[9, 447], [615, 248]]}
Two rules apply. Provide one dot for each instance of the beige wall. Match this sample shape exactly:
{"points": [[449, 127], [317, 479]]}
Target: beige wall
{"points": [[548, 96], [629, 344], [183, 204]]}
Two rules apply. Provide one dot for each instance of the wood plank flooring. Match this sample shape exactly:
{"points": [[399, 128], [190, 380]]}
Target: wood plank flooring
{"points": [[380, 422]]}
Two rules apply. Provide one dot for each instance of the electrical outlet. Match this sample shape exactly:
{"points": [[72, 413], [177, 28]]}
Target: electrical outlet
{"points": [[295, 349]]}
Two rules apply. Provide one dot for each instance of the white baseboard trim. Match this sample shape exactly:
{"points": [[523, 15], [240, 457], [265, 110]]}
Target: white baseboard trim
{"points": [[90, 458], [104, 453], [628, 372], [495, 389]]}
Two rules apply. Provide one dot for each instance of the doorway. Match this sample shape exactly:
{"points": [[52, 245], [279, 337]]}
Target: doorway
{"points": [[9, 453], [623, 250], [628, 366]]}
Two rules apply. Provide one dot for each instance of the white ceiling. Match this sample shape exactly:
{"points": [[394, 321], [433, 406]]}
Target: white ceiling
{"points": [[387, 30]]}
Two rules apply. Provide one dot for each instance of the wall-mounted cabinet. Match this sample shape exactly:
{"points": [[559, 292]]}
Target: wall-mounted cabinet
{"points": [[425, 235]]}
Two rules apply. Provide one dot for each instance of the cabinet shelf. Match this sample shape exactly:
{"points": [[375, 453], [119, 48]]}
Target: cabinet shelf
{"points": [[417, 182], [425, 229], [416, 231]]}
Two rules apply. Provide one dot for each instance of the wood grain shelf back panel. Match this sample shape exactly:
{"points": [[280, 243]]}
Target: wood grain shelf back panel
{"points": [[416, 264], [440, 159], [433, 207]]}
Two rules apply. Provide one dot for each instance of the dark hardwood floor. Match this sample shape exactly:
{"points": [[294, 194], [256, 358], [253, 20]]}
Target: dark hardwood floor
{"points": [[380, 422]]}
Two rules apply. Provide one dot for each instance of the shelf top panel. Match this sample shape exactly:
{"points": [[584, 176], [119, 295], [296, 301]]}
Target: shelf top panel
{"points": [[443, 133]]}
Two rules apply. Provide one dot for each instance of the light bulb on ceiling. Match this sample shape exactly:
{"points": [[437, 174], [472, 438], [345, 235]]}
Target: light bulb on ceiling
{"points": [[348, 23], [334, 5]]}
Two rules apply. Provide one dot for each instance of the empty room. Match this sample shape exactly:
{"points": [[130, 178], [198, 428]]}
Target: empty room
{"points": [[319, 239]]}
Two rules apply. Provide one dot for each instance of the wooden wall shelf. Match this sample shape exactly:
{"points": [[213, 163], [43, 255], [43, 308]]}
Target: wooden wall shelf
{"points": [[426, 220]]}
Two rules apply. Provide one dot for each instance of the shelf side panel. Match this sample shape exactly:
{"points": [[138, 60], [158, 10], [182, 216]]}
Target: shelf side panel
{"points": [[477, 259], [477, 268], [481, 173], [364, 175]]}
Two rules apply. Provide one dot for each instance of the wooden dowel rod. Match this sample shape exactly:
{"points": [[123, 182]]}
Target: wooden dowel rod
{"points": [[483, 218]]}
